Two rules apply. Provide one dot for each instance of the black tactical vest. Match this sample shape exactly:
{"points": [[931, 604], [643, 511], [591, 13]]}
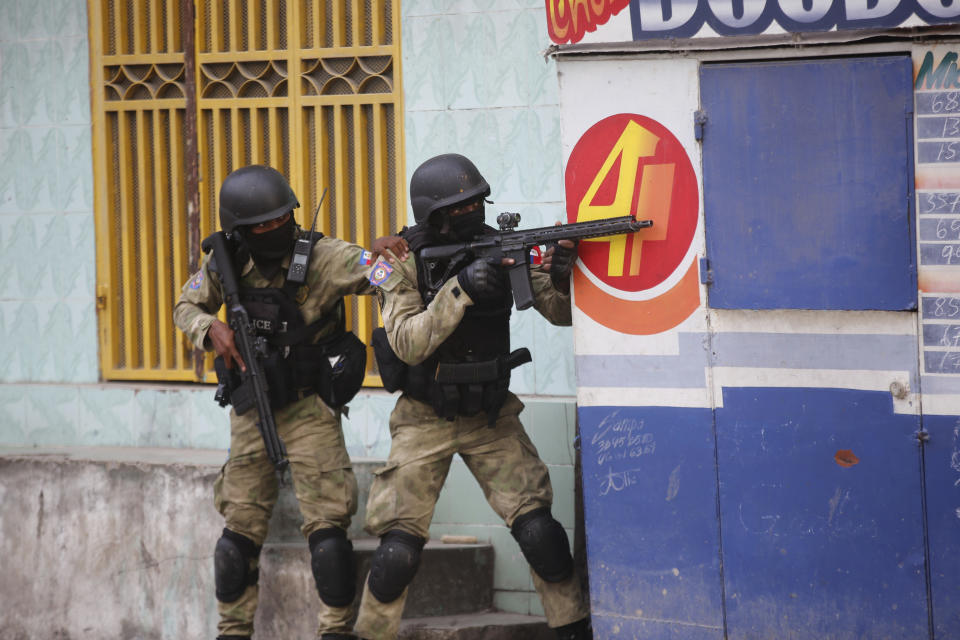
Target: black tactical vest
{"points": [[470, 371], [296, 364]]}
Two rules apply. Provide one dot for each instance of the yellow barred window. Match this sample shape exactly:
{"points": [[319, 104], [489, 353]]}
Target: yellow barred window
{"points": [[183, 93]]}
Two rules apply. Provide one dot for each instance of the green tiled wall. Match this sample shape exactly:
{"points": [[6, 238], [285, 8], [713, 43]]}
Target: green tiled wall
{"points": [[47, 262]]}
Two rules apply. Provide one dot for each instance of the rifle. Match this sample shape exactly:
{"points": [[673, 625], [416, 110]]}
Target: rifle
{"points": [[508, 243], [252, 390]]}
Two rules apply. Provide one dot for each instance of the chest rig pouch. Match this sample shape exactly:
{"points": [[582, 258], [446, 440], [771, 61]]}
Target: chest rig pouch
{"points": [[470, 371], [294, 362]]}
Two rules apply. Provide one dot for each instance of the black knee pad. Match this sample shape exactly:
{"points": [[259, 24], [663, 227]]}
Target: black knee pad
{"points": [[333, 565], [544, 544], [394, 565], [579, 630], [231, 565]]}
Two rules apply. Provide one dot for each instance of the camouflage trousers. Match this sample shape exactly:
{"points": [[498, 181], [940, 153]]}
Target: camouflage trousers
{"points": [[246, 491], [405, 490]]}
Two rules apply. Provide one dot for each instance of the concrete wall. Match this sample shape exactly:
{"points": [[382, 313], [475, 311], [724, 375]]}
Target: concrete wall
{"points": [[475, 82]]}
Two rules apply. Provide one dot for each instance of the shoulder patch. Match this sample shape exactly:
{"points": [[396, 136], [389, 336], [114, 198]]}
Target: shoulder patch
{"points": [[366, 257], [381, 272], [196, 280]]}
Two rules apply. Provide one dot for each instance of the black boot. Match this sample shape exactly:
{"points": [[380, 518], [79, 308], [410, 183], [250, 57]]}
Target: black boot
{"points": [[579, 630], [233, 637]]}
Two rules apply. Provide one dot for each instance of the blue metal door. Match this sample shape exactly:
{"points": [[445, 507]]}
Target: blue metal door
{"points": [[821, 515], [808, 173], [807, 183]]}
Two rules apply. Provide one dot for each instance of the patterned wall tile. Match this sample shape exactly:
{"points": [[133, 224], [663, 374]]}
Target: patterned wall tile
{"points": [[81, 254], [12, 77], [9, 360], [532, 153], [83, 366], [35, 81], [539, 85], [517, 150], [76, 187], [31, 18], [438, 70], [13, 412], [27, 156], [9, 286], [57, 17], [22, 331], [54, 258], [51, 414], [211, 422], [9, 29], [69, 103], [483, 59], [551, 426], [106, 417], [461, 499], [554, 363], [429, 7]]}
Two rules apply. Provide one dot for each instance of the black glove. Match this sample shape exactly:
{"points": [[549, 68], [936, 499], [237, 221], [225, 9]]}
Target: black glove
{"points": [[480, 280], [561, 265]]}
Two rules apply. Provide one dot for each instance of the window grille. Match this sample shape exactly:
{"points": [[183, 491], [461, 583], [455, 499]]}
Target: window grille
{"points": [[309, 87]]}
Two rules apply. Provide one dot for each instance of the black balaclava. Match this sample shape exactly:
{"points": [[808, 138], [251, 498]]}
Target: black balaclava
{"points": [[466, 226], [268, 249]]}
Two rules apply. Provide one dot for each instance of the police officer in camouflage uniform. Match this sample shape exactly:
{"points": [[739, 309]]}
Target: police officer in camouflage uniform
{"points": [[256, 209], [458, 314]]}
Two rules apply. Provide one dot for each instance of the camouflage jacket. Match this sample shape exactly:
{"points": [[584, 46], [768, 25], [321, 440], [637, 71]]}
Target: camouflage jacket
{"points": [[337, 269], [415, 331]]}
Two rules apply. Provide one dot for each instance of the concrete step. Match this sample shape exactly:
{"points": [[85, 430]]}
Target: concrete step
{"points": [[489, 625], [453, 579]]}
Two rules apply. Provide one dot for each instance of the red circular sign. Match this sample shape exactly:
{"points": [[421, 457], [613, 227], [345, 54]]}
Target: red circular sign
{"points": [[629, 164]]}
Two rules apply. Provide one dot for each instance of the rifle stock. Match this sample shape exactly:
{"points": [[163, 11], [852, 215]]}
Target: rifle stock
{"points": [[251, 349], [509, 243]]}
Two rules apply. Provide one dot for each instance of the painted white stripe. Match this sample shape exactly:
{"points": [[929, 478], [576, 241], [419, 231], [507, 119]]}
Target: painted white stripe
{"points": [[941, 404], [642, 397], [738, 377], [795, 321]]}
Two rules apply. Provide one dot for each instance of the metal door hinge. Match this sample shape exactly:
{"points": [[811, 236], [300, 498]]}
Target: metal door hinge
{"points": [[102, 291], [699, 122]]}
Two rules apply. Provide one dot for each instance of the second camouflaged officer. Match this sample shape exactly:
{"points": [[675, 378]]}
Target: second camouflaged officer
{"points": [[456, 318], [256, 210]]}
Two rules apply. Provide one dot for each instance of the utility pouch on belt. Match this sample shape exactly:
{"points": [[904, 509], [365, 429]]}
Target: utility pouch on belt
{"points": [[342, 368], [393, 370], [466, 388]]}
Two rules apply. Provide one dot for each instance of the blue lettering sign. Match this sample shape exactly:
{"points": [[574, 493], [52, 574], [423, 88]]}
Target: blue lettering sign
{"points": [[653, 19]]}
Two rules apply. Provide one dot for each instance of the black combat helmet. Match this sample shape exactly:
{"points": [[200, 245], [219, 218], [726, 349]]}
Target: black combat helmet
{"points": [[443, 181], [254, 194]]}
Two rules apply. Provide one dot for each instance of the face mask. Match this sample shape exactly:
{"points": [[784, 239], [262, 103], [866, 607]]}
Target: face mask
{"points": [[466, 226], [273, 244], [269, 248]]}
